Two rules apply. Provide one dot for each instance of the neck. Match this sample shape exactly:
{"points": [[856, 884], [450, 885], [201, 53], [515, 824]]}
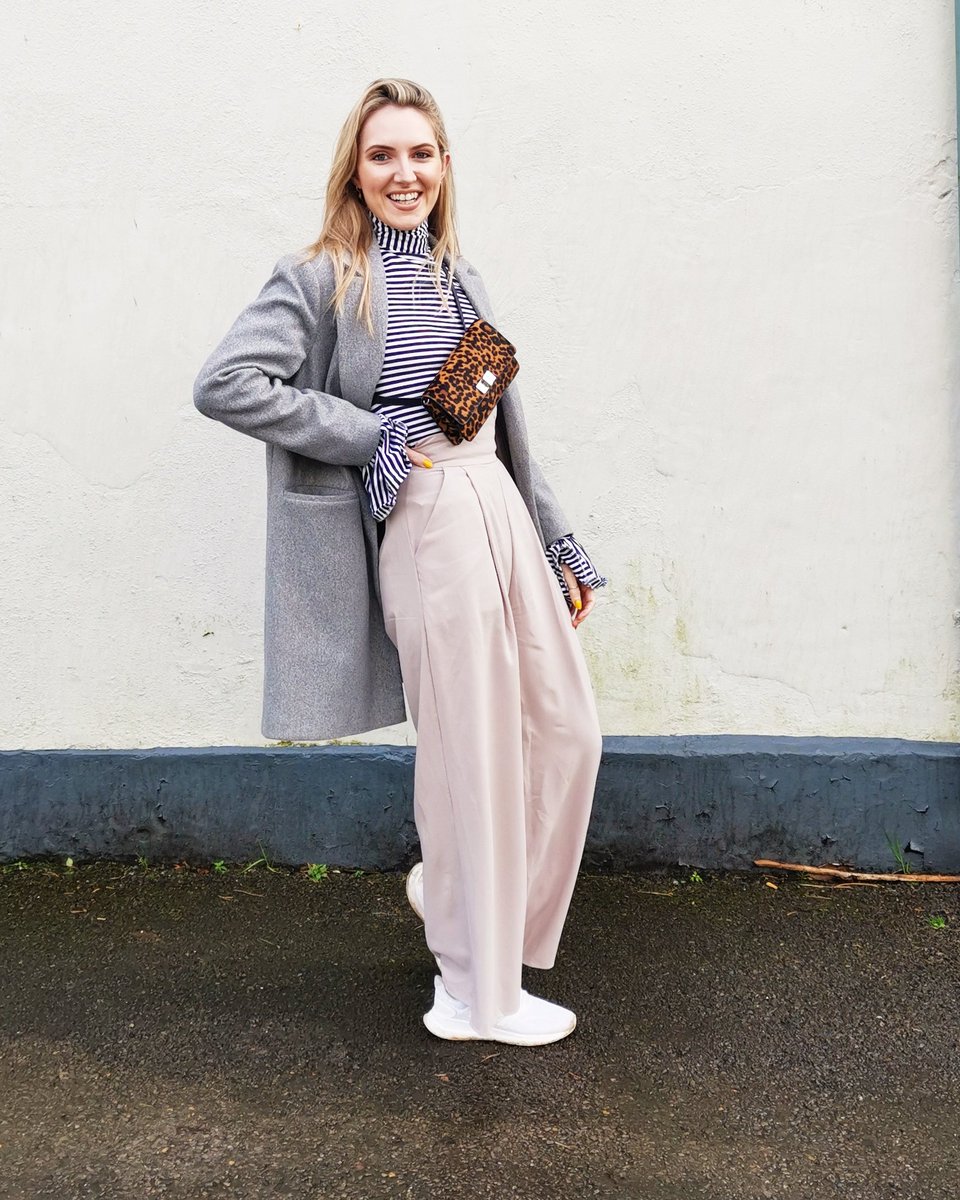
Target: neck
{"points": [[402, 241]]}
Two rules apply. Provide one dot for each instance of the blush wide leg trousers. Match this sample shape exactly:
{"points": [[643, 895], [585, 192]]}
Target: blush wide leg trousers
{"points": [[508, 738]]}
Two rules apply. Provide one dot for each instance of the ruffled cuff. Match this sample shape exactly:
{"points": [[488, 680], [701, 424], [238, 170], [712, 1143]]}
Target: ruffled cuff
{"points": [[388, 468], [568, 550]]}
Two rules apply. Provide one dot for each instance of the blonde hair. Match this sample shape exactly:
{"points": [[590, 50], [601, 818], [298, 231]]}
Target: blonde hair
{"points": [[346, 233]]}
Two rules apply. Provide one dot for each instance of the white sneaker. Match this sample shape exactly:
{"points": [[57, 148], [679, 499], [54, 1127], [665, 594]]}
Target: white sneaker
{"points": [[415, 888], [535, 1022]]}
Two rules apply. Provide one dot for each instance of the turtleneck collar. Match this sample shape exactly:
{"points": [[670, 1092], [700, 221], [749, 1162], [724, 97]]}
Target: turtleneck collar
{"points": [[403, 241]]}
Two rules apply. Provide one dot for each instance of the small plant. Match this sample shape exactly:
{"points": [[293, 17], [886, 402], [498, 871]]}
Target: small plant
{"points": [[19, 865], [902, 864], [219, 867], [936, 921], [142, 862], [317, 871], [261, 861], [358, 872], [695, 876]]}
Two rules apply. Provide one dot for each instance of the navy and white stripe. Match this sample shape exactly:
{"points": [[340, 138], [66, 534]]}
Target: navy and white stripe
{"points": [[388, 468], [420, 337], [568, 550], [421, 333]]}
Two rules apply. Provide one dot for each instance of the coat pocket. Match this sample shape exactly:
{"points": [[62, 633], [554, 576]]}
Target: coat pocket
{"points": [[315, 493], [317, 597]]}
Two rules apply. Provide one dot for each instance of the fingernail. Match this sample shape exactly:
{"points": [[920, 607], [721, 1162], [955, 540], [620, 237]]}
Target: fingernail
{"points": [[577, 604], [427, 462]]}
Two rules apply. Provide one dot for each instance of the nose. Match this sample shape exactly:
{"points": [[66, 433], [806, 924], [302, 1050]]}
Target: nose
{"points": [[404, 171]]}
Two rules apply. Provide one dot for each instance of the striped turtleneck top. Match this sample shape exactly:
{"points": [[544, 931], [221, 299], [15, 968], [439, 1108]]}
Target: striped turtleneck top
{"points": [[420, 336]]}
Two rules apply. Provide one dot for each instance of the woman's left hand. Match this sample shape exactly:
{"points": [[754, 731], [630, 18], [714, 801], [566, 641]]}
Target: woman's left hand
{"points": [[578, 591]]}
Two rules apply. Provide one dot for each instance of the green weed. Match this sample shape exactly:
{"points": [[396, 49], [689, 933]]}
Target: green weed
{"points": [[261, 861], [902, 864]]}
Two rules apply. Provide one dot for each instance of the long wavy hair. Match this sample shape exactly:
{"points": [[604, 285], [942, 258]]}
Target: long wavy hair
{"points": [[347, 232]]}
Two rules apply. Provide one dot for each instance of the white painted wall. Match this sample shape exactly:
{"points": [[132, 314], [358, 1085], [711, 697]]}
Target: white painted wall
{"points": [[751, 416]]}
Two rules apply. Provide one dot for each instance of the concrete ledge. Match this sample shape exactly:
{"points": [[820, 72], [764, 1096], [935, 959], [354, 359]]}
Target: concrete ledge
{"points": [[709, 801]]}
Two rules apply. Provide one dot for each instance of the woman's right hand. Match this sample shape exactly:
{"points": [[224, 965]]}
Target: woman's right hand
{"points": [[418, 459]]}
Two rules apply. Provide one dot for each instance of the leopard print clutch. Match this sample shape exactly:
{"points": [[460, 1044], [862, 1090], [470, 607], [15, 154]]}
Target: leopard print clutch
{"points": [[476, 374]]}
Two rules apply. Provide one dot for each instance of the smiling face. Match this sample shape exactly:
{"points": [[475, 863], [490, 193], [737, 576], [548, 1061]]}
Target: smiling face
{"points": [[399, 165]]}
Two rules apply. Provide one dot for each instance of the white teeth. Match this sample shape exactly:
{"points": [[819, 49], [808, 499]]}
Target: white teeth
{"points": [[401, 196]]}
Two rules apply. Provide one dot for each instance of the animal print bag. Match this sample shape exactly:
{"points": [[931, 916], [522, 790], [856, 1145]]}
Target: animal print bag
{"points": [[476, 374]]}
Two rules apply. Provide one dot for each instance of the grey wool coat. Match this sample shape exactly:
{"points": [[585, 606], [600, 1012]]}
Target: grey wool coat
{"points": [[301, 380]]}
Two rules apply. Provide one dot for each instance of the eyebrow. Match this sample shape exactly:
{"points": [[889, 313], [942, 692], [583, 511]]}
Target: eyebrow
{"points": [[420, 146]]}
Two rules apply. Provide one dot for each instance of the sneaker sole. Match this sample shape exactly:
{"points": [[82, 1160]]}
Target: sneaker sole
{"points": [[459, 1031]]}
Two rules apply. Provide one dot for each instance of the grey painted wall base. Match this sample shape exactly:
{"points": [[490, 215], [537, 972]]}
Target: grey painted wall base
{"points": [[713, 802]]}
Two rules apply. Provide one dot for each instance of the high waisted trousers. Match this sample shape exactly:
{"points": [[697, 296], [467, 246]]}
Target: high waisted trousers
{"points": [[508, 738]]}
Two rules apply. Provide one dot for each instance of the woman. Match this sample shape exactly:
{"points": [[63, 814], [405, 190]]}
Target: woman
{"points": [[400, 563]]}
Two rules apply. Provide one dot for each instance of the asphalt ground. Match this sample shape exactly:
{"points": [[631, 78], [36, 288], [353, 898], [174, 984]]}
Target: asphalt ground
{"points": [[185, 1033]]}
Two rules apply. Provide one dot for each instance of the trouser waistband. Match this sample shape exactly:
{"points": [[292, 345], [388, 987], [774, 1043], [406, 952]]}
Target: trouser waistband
{"points": [[440, 450]]}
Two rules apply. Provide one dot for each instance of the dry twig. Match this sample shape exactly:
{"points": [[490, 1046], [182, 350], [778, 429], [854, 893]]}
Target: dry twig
{"points": [[841, 873]]}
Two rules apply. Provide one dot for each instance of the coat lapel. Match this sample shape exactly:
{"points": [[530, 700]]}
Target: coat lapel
{"points": [[360, 356], [472, 285]]}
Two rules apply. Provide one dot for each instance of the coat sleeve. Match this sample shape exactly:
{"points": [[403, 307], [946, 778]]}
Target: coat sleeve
{"points": [[244, 381], [553, 521]]}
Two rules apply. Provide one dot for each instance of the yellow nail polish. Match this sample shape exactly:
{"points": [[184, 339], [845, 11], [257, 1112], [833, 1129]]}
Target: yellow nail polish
{"points": [[427, 462], [577, 604]]}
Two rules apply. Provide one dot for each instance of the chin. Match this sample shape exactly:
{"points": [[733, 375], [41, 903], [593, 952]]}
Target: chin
{"points": [[398, 217]]}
